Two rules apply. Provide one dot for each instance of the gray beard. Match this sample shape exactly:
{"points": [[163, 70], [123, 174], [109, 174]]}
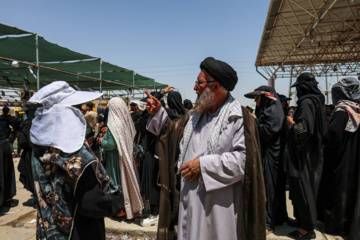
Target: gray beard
{"points": [[204, 101]]}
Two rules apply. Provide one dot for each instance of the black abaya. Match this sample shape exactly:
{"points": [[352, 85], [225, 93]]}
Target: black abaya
{"points": [[306, 159], [7, 173], [270, 121], [24, 167], [339, 195]]}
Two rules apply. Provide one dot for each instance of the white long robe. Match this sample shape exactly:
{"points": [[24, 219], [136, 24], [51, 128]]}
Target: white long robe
{"points": [[215, 211]]}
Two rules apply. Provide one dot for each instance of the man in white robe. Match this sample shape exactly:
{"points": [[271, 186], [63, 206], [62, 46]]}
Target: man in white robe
{"points": [[212, 156]]}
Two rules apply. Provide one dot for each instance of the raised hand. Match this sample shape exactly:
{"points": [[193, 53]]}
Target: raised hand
{"points": [[168, 89], [153, 104]]}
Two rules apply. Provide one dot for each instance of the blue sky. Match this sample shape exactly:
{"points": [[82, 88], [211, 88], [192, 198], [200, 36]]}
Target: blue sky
{"points": [[164, 40]]}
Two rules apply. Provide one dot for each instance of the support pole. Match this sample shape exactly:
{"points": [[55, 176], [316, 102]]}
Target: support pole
{"points": [[291, 77], [100, 88], [37, 62], [271, 82], [133, 90], [327, 89]]}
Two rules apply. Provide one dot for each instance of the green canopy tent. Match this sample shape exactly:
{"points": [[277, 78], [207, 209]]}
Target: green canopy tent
{"points": [[42, 62], [8, 30]]}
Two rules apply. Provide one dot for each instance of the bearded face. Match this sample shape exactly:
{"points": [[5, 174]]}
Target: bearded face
{"points": [[204, 101]]}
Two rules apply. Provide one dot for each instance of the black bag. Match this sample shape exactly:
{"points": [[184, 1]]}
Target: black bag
{"points": [[139, 151]]}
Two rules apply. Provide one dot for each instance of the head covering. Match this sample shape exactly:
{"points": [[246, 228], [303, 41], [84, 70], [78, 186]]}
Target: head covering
{"points": [[346, 89], [268, 92], [106, 116], [122, 128], [270, 108], [286, 107], [283, 98], [5, 110], [221, 72], [188, 104], [174, 101], [101, 111], [90, 118], [141, 105], [307, 84], [307, 88], [56, 123], [303, 78]]}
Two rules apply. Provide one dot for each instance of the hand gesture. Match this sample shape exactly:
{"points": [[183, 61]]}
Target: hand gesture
{"points": [[153, 104], [289, 121], [167, 90]]}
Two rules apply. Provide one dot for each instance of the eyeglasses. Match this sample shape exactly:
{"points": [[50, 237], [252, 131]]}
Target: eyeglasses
{"points": [[197, 83]]}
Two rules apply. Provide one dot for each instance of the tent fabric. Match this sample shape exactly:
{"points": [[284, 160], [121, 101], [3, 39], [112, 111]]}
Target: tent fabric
{"points": [[23, 49], [8, 30]]}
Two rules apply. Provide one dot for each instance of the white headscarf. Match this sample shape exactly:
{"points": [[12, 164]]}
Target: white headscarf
{"points": [[56, 123], [122, 128]]}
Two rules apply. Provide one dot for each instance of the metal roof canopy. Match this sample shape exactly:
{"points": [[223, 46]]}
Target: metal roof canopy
{"points": [[322, 36]]}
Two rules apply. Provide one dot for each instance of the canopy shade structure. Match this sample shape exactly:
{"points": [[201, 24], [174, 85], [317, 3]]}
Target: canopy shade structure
{"points": [[54, 62], [8, 30], [320, 35]]}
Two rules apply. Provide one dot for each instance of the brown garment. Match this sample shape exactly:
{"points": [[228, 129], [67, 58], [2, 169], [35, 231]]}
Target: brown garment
{"points": [[168, 153], [254, 211], [254, 214]]}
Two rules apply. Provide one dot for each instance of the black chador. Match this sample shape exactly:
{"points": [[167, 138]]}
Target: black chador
{"points": [[339, 194], [270, 121], [305, 150], [7, 173]]}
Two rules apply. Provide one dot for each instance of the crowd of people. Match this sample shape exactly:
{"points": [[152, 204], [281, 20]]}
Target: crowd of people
{"points": [[212, 170]]}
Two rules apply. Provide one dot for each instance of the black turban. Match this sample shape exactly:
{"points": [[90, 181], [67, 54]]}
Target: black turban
{"points": [[221, 72]]}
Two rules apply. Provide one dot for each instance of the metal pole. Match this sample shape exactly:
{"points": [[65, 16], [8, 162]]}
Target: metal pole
{"points": [[37, 62], [326, 91], [291, 76], [100, 88], [133, 90], [154, 84], [271, 82]]}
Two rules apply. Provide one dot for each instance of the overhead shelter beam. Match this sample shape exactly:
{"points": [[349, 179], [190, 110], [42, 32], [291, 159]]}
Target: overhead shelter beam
{"points": [[309, 34]]}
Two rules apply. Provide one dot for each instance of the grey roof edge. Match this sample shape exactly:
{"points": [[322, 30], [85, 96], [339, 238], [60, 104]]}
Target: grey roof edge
{"points": [[274, 8]]}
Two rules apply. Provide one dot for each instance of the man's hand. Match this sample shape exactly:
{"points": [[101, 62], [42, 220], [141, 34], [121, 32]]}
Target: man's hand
{"points": [[167, 90], [289, 121], [191, 169], [153, 104], [104, 129]]}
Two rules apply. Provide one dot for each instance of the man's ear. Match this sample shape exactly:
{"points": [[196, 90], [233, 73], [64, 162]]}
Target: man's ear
{"points": [[216, 86]]}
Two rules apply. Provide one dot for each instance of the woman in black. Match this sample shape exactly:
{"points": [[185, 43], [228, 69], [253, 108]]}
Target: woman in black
{"points": [[305, 154], [271, 124], [339, 195]]}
